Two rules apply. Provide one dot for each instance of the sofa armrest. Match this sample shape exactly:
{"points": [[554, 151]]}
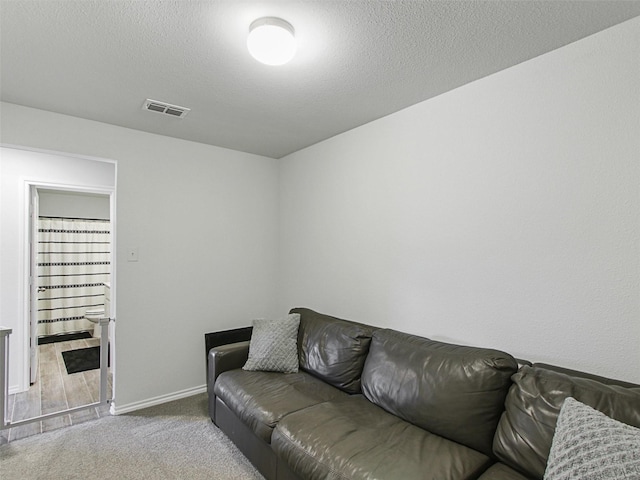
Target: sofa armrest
{"points": [[224, 337], [222, 359], [227, 357]]}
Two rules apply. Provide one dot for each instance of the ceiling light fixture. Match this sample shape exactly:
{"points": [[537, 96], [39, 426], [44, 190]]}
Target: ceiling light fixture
{"points": [[271, 41]]}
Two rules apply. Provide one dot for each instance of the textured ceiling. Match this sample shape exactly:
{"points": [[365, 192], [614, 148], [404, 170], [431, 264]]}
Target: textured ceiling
{"points": [[356, 61]]}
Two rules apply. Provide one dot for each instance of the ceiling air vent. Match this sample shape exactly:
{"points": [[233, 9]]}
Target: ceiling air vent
{"points": [[166, 108]]}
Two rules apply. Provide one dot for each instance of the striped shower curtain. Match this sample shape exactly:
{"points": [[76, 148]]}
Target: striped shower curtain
{"points": [[73, 265]]}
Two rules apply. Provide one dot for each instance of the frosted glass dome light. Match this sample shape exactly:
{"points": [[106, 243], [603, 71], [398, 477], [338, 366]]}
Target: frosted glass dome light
{"points": [[271, 41]]}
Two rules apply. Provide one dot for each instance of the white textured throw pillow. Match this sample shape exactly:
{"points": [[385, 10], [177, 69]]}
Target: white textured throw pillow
{"points": [[274, 345], [588, 445]]}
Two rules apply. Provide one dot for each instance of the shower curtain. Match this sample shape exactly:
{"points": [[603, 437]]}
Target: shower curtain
{"points": [[73, 265]]}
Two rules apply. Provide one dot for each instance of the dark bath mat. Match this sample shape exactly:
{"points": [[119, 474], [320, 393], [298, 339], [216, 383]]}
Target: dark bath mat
{"points": [[82, 359], [63, 337]]}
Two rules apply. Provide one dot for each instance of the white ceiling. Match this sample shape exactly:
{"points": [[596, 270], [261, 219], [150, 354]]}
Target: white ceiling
{"points": [[357, 60]]}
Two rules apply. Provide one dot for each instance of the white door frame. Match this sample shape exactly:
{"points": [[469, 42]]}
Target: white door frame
{"points": [[23, 253], [34, 213], [20, 219], [29, 187]]}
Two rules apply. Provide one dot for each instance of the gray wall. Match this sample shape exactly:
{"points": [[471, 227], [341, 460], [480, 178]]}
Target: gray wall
{"points": [[505, 213], [204, 221]]}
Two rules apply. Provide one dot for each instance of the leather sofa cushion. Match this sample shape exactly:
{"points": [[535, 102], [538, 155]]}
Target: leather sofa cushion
{"points": [[454, 391], [261, 399], [500, 471], [352, 438], [524, 434], [333, 349]]}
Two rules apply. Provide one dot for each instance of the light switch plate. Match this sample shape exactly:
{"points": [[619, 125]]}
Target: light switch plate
{"points": [[132, 255]]}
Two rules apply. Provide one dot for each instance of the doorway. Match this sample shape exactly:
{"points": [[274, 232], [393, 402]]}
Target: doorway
{"points": [[69, 284]]}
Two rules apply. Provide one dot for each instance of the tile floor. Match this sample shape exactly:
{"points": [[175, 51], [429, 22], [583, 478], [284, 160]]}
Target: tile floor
{"points": [[55, 390]]}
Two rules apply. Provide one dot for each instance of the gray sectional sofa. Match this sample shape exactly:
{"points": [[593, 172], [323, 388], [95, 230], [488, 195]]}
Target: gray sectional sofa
{"points": [[373, 403]]}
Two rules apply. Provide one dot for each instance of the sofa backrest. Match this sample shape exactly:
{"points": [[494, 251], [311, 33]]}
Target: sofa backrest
{"points": [[454, 391], [333, 349], [524, 434]]}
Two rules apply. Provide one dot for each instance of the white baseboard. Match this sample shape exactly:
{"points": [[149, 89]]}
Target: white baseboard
{"points": [[130, 407]]}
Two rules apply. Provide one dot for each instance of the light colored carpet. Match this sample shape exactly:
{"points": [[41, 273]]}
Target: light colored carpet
{"points": [[176, 440]]}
